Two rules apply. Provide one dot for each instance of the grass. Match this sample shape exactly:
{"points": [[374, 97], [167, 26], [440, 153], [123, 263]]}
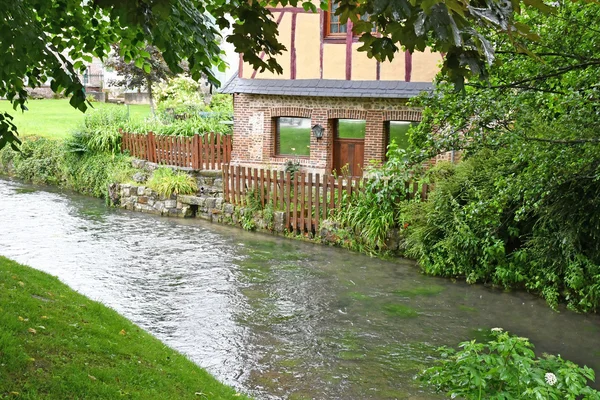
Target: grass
{"points": [[294, 141], [352, 128], [56, 119], [166, 182], [57, 344]]}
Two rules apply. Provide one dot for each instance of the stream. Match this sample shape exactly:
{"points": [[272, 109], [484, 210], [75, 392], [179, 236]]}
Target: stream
{"points": [[273, 317]]}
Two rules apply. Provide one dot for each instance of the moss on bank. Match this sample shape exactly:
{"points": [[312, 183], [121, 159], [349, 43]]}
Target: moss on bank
{"points": [[56, 343]]}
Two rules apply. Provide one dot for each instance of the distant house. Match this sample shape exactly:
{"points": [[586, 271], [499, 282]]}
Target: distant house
{"points": [[328, 89]]}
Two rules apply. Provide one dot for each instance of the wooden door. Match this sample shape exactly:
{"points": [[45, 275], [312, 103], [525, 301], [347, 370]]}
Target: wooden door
{"points": [[349, 152]]}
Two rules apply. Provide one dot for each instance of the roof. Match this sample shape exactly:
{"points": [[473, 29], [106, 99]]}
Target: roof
{"points": [[327, 87]]}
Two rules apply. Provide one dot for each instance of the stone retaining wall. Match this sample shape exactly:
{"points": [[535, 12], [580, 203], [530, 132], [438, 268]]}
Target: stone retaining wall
{"points": [[208, 204]]}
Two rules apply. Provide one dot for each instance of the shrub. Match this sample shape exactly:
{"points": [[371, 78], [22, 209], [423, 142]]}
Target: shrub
{"points": [[99, 132], [379, 208], [184, 127], [50, 162], [92, 173], [521, 216], [167, 182], [39, 161], [506, 368], [221, 103]]}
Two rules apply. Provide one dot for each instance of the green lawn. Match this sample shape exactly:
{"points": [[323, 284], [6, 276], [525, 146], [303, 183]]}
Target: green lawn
{"points": [[352, 128], [57, 344], [56, 119], [294, 141]]}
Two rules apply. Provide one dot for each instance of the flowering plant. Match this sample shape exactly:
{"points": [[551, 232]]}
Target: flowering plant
{"points": [[506, 368]]}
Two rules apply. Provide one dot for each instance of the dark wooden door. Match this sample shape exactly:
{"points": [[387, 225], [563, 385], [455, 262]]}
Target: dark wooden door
{"points": [[349, 152]]}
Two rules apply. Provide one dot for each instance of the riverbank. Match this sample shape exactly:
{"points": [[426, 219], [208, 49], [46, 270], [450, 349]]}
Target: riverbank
{"points": [[56, 343], [368, 224]]}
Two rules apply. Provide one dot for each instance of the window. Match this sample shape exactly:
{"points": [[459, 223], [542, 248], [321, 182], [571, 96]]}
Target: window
{"points": [[351, 128], [334, 29], [397, 131], [292, 137], [334, 26]]}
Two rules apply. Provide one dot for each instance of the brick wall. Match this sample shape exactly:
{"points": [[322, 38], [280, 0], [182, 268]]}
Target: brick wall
{"points": [[254, 133]]}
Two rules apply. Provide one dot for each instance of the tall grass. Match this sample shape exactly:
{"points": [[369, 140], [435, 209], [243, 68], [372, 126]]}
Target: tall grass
{"points": [[166, 182]]}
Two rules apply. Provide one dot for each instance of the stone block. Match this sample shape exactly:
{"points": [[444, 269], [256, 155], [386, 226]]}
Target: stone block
{"points": [[142, 200], [140, 177], [219, 203], [148, 192], [140, 190], [151, 201], [194, 200], [159, 205], [170, 203], [211, 203], [279, 222], [228, 208], [218, 184], [211, 174], [136, 163], [179, 205], [150, 167], [393, 241]]}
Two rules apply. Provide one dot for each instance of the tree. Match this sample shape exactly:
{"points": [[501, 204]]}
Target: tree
{"points": [[522, 210], [51, 39], [134, 77], [559, 85]]}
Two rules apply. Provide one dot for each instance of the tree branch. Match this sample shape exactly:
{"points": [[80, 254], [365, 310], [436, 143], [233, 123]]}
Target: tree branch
{"points": [[558, 72], [563, 141]]}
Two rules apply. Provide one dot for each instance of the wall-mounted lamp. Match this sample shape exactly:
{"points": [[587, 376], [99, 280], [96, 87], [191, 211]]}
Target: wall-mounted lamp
{"points": [[318, 130]]}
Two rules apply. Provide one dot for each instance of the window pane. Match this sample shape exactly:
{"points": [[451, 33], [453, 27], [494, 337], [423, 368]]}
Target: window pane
{"points": [[294, 136], [351, 128], [398, 133]]}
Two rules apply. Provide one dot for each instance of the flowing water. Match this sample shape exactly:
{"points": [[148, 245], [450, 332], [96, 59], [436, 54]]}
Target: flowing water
{"points": [[276, 318]]}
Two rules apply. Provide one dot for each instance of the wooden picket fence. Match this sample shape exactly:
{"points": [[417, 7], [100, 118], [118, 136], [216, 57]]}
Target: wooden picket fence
{"points": [[209, 151], [306, 198]]}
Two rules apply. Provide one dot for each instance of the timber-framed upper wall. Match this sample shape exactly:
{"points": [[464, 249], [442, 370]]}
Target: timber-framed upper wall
{"points": [[320, 47]]}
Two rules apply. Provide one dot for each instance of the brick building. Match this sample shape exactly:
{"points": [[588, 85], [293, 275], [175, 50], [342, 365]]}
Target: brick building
{"points": [[332, 107]]}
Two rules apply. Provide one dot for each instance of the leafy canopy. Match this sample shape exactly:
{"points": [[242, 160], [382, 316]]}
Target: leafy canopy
{"points": [[522, 210], [51, 40]]}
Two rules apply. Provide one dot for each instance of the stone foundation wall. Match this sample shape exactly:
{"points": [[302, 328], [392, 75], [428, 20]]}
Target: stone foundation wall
{"points": [[214, 209]]}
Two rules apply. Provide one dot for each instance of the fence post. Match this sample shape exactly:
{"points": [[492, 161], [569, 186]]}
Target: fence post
{"points": [[302, 201], [281, 189], [219, 159], [195, 157], [309, 188], [317, 203]]}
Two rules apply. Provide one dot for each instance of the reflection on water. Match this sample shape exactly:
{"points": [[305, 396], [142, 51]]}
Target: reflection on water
{"points": [[273, 317]]}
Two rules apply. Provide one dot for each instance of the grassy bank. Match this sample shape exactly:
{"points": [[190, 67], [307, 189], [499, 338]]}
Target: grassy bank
{"points": [[56, 119], [56, 343]]}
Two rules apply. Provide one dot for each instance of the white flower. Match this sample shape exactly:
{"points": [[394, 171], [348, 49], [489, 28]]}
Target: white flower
{"points": [[497, 330], [550, 378]]}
